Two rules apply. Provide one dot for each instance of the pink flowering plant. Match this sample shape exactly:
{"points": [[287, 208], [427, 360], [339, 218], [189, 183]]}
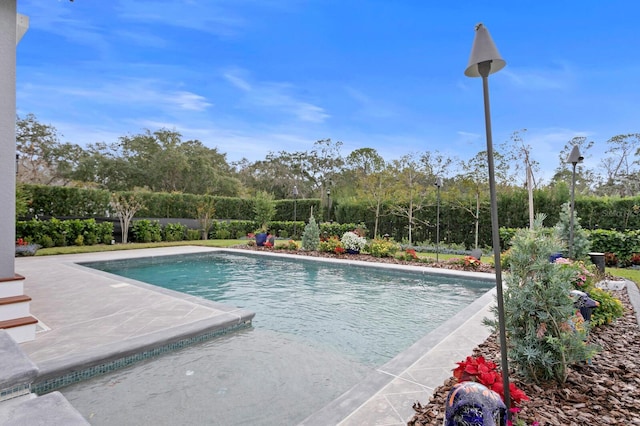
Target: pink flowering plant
{"points": [[581, 275]]}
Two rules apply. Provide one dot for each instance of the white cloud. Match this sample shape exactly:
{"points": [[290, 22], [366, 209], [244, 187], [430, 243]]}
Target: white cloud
{"points": [[275, 96], [561, 78]]}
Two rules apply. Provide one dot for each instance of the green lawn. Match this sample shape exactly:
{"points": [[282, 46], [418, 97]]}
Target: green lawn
{"points": [[133, 246]]}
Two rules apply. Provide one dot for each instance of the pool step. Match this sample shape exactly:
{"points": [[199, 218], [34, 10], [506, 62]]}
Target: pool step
{"points": [[15, 317]]}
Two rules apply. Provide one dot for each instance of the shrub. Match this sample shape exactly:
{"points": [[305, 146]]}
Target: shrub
{"points": [[193, 234], [26, 249], [538, 309], [311, 235], [223, 234], [610, 259], [329, 245], [352, 241], [610, 307], [408, 255], [174, 232], [382, 248], [146, 231], [581, 243]]}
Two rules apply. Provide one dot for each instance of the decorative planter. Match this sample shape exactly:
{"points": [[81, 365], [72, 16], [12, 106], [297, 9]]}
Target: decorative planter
{"points": [[351, 251], [261, 238]]}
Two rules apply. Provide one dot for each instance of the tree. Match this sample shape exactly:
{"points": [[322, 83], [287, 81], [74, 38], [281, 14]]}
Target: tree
{"points": [[42, 158], [475, 179], [311, 234], [205, 213], [264, 209], [371, 178], [125, 207], [410, 190], [516, 151], [621, 173], [581, 242], [584, 176]]}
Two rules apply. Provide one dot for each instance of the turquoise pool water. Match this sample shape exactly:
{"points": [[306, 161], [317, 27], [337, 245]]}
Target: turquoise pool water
{"points": [[319, 329], [366, 313]]}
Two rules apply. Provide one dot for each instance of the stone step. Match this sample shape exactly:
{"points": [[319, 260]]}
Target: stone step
{"points": [[14, 307], [13, 286], [21, 329]]}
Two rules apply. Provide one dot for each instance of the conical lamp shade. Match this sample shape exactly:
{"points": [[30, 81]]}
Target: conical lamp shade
{"points": [[575, 157], [483, 50]]}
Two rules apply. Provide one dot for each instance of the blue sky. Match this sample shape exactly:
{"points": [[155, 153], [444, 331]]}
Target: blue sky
{"points": [[254, 76]]}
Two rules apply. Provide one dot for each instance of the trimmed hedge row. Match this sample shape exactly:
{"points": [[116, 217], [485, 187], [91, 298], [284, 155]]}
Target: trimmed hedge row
{"points": [[55, 232], [456, 224]]}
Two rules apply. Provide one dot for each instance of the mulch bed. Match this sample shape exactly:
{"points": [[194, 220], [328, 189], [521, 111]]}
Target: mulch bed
{"points": [[604, 392]]}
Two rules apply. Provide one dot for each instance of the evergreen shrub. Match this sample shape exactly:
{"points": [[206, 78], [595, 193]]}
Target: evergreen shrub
{"points": [[538, 310]]}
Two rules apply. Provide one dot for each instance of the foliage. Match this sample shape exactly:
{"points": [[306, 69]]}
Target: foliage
{"points": [[205, 213], [408, 255], [126, 207], [24, 248], [59, 233], [621, 244], [311, 235], [174, 232], [541, 343], [22, 202], [485, 372], [610, 259], [289, 245], [193, 235], [581, 276], [468, 263], [352, 241], [610, 307], [379, 247], [264, 209], [330, 245], [581, 243], [146, 231]]}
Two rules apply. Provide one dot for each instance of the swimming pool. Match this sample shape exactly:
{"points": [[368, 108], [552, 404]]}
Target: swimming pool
{"points": [[319, 329]]}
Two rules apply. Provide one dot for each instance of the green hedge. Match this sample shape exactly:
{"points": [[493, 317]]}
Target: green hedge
{"points": [[456, 224], [56, 232]]}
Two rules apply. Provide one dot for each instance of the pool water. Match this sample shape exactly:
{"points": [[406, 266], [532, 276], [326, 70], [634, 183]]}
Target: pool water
{"points": [[320, 328]]}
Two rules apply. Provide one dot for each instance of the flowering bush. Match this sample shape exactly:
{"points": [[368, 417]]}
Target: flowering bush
{"points": [[24, 248], [635, 259], [339, 250], [581, 275], [408, 255], [329, 245], [352, 241], [467, 262], [382, 247], [289, 245], [484, 372]]}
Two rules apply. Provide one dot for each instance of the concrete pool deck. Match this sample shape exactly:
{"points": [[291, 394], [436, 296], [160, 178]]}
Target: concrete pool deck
{"points": [[88, 316]]}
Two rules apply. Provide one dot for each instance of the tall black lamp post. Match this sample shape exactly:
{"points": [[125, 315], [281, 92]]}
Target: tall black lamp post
{"points": [[485, 60], [328, 204], [295, 210], [574, 158], [17, 163], [438, 185]]}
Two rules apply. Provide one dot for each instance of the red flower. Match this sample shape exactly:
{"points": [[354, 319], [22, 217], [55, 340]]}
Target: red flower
{"points": [[339, 250], [484, 372]]}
